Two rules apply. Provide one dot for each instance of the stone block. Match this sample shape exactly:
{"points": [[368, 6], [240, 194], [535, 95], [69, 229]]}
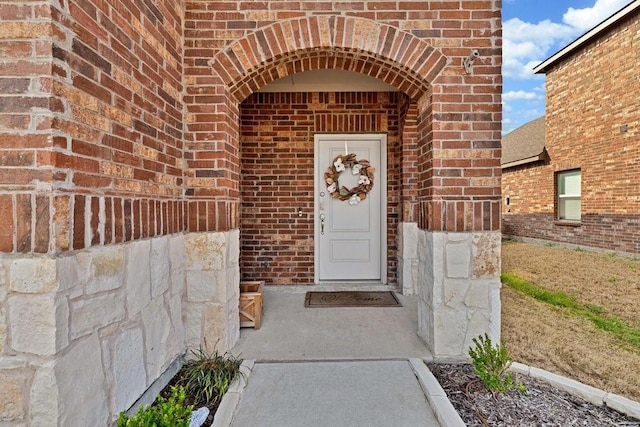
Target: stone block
{"points": [[33, 275], [177, 325], [128, 368], [178, 281], [458, 259], [3, 326], [107, 269], [202, 286], [177, 261], [233, 247], [44, 397], [455, 292], [14, 391], [227, 282], [193, 324], [478, 295], [408, 240], [205, 251], [495, 310], [157, 333], [74, 272], [408, 247], [88, 315], [81, 385], [405, 277], [487, 249], [138, 277], [215, 337], [478, 324], [232, 324], [160, 266], [425, 323], [38, 323]]}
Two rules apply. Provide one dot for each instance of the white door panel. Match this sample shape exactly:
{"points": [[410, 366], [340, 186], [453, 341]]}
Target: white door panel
{"points": [[349, 242]]}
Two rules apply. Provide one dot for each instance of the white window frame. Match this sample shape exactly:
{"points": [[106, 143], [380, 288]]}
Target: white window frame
{"points": [[569, 194]]}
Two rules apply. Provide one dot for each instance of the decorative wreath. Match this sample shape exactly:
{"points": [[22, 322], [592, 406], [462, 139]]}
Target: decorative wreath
{"points": [[358, 167]]}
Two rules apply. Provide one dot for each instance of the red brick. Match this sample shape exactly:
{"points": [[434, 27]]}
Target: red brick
{"points": [[6, 223], [79, 221], [42, 227]]}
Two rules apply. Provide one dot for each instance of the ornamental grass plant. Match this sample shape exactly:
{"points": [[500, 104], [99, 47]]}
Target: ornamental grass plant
{"points": [[207, 377]]}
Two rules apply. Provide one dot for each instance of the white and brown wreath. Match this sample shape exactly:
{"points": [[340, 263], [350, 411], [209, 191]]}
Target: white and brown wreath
{"points": [[358, 167]]}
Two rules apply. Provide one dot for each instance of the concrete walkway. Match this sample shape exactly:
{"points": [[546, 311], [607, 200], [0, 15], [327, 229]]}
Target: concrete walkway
{"points": [[333, 366], [322, 394]]}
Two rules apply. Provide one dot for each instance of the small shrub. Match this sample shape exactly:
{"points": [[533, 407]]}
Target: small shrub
{"points": [[491, 363], [206, 378], [171, 412]]}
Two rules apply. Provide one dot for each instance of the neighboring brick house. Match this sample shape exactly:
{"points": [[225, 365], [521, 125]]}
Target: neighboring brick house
{"points": [[524, 161], [588, 190], [149, 162]]}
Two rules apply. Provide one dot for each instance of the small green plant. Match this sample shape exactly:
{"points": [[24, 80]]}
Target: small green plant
{"points": [[171, 412], [491, 362], [206, 378]]}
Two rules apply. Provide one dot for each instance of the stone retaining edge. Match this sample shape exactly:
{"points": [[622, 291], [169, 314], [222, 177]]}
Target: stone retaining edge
{"points": [[440, 403], [230, 400], [583, 391]]}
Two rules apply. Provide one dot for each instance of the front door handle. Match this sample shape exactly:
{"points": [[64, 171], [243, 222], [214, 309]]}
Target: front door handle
{"points": [[322, 224]]}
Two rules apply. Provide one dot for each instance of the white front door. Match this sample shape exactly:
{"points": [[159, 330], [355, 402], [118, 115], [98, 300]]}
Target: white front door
{"points": [[350, 237]]}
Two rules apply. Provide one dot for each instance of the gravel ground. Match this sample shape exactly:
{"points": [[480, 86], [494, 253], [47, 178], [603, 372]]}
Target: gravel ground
{"points": [[540, 405]]}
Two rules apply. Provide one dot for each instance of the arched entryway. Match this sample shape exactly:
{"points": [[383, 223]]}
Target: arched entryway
{"points": [[442, 219], [277, 131]]}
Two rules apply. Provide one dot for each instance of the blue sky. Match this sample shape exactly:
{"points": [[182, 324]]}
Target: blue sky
{"points": [[532, 31]]}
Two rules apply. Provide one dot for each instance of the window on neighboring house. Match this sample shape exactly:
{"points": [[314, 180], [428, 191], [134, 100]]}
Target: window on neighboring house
{"points": [[569, 188]]}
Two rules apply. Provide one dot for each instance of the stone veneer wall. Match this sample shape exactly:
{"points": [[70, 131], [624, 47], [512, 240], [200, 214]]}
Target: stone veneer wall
{"points": [[212, 294], [459, 290], [82, 336]]}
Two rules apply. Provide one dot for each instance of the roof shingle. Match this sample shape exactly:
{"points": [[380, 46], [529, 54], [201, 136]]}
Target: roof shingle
{"points": [[524, 145]]}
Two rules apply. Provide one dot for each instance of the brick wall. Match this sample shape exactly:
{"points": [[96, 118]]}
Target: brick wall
{"points": [[590, 96], [26, 107], [233, 48], [121, 117], [92, 113], [277, 134]]}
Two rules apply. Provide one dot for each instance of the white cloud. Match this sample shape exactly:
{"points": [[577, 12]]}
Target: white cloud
{"points": [[526, 44], [517, 95], [583, 20]]}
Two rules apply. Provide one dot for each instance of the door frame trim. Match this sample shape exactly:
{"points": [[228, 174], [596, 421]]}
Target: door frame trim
{"points": [[381, 180]]}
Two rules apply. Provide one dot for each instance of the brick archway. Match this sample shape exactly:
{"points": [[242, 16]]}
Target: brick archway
{"points": [[347, 43]]}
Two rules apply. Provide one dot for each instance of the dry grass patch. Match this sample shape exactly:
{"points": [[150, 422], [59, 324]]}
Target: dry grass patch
{"points": [[608, 281], [557, 340]]}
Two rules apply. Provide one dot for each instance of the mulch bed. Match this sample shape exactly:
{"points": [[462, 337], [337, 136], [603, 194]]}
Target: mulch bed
{"points": [[213, 407], [541, 405]]}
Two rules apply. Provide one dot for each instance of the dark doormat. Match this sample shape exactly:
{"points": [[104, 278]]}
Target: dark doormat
{"points": [[351, 299]]}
